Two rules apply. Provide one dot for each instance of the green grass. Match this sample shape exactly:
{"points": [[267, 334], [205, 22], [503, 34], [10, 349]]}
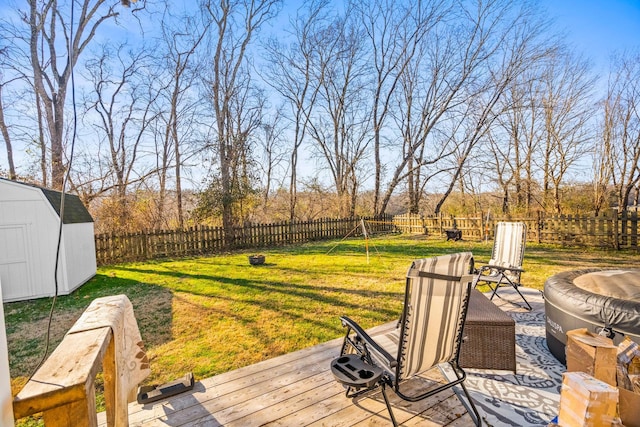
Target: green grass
{"points": [[213, 314]]}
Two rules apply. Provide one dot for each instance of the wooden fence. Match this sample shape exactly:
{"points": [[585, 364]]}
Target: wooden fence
{"points": [[613, 231], [472, 228], [113, 248], [618, 231]]}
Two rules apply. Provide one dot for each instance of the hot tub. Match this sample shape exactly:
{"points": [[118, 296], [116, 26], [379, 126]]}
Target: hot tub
{"points": [[594, 299]]}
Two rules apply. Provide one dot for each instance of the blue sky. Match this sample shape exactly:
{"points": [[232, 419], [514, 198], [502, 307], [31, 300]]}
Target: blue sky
{"points": [[598, 27]]}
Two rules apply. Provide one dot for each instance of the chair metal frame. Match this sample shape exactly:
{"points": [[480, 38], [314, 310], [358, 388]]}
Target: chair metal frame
{"points": [[505, 267], [372, 353]]}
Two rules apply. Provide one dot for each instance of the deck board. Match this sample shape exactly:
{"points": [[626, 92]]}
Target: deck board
{"points": [[295, 389], [298, 389]]}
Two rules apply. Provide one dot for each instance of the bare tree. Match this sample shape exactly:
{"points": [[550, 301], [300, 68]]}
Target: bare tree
{"points": [[234, 25], [291, 73], [510, 40], [621, 133], [603, 154], [416, 120], [505, 168], [55, 44], [273, 152], [513, 140], [451, 90], [340, 123], [394, 32], [4, 128], [567, 108], [119, 107], [16, 98], [179, 43]]}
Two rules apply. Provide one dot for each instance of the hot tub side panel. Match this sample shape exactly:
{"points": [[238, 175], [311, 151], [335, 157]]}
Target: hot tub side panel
{"points": [[568, 307]]}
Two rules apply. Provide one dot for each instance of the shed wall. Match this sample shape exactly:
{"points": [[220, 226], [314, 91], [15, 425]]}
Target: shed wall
{"points": [[28, 241], [80, 254]]}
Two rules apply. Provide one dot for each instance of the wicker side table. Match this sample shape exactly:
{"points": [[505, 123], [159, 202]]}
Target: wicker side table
{"points": [[490, 336]]}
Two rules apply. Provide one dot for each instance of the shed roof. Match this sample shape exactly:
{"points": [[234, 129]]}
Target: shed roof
{"points": [[74, 210]]}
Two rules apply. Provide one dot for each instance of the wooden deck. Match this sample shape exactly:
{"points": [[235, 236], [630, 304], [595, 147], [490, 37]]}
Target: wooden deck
{"points": [[296, 389]]}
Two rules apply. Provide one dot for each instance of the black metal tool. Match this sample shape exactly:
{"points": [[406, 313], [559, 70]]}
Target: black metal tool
{"points": [[152, 393]]}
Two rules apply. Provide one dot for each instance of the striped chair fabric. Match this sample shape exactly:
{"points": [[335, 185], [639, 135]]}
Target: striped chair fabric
{"points": [[432, 317], [429, 333], [508, 247], [505, 265]]}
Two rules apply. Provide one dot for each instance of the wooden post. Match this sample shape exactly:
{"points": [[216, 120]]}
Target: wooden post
{"points": [[539, 227], [633, 230], [67, 396], [6, 409], [616, 235], [110, 384]]}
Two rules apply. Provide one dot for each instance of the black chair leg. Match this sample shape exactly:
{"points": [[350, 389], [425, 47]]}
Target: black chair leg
{"points": [[513, 285], [494, 291], [523, 298], [383, 386], [386, 401], [476, 415], [518, 291]]}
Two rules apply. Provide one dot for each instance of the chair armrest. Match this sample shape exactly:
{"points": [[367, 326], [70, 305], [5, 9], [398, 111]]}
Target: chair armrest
{"points": [[360, 333], [500, 267]]}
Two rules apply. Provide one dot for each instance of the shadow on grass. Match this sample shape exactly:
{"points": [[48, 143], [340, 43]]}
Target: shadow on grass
{"points": [[571, 257], [27, 321], [276, 296]]}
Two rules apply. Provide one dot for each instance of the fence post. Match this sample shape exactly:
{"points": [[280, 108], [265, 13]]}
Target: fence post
{"points": [[633, 229], [615, 229], [145, 245], [539, 226], [616, 236]]}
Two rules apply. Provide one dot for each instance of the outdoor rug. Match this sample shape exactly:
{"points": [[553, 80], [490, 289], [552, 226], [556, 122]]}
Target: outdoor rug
{"points": [[530, 397]]}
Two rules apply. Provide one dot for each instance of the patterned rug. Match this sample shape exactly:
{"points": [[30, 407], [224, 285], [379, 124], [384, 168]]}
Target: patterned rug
{"points": [[531, 396]]}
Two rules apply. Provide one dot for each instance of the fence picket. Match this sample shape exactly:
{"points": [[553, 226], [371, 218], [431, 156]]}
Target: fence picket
{"points": [[605, 230]]}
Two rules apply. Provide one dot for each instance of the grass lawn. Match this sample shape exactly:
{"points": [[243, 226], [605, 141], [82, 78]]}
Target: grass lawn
{"points": [[213, 314]]}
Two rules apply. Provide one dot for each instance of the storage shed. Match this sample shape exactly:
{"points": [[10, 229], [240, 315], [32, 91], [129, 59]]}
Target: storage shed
{"points": [[29, 224]]}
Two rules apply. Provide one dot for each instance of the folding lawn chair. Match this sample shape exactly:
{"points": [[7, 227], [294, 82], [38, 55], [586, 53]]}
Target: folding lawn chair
{"points": [[505, 265], [429, 334]]}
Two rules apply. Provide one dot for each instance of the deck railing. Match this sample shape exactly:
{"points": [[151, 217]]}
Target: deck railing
{"points": [[64, 387]]}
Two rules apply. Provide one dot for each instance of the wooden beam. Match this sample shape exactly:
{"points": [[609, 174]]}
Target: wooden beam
{"points": [[66, 381]]}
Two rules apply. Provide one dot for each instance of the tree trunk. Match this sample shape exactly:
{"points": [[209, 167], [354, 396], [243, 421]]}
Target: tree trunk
{"points": [[7, 140]]}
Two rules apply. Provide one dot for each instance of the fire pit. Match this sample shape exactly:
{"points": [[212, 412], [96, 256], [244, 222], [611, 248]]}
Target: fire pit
{"points": [[256, 259]]}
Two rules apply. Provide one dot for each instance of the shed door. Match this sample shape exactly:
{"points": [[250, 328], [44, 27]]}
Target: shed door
{"points": [[14, 262]]}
